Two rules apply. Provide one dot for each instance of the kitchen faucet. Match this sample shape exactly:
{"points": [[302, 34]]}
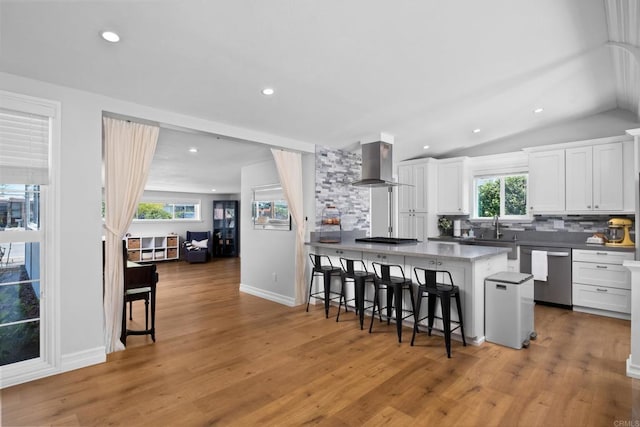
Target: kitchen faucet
{"points": [[496, 224]]}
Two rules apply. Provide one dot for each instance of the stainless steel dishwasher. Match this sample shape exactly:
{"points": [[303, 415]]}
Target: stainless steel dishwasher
{"points": [[557, 289]]}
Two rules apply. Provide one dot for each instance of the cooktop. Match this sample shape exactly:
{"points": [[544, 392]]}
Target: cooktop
{"points": [[386, 240]]}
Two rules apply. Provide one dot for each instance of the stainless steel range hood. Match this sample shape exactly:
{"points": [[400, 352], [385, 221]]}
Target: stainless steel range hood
{"points": [[377, 165]]}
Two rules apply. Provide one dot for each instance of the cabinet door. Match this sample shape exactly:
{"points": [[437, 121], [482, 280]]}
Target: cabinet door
{"points": [[406, 225], [579, 173], [601, 297], [451, 186], [605, 275], [546, 181], [420, 187], [406, 193], [607, 177]]}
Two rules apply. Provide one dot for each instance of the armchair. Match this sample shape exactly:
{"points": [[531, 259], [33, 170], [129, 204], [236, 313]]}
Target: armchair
{"points": [[194, 253]]}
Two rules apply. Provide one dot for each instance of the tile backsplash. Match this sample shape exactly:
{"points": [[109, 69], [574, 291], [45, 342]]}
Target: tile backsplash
{"points": [[567, 223]]}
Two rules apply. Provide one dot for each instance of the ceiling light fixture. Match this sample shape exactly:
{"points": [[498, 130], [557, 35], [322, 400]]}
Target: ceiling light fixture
{"points": [[538, 110], [193, 150], [213, 189], [110, 36], [476, 131], [268, 91], [426, 147]]}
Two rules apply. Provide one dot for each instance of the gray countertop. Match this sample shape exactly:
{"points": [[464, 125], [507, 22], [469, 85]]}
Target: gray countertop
{"points": [[429, 249], [547, 243]]}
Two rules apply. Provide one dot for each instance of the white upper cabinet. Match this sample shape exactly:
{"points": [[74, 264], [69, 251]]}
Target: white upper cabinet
{"points": [[608, 172], [546, 181], [583, 177], [412, 196], [414, 216], [453, 187], [594, 179], [579, 185]]}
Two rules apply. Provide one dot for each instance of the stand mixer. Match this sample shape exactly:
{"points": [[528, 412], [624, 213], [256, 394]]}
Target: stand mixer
{"points": [[618, 234]]}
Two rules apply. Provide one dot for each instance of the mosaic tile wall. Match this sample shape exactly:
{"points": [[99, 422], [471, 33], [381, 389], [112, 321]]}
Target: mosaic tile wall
{"points": [[335, 171]]}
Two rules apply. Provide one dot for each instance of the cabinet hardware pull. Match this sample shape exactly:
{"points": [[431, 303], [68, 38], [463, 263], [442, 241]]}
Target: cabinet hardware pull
{"points": [[588, 206], [601, 266], [596, 206], [601, 290], [601, 253]]}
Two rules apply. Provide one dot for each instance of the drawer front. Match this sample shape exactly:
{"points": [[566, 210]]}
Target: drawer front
{"points": [[609, 275], [601, 257], [603, 298], [336, 254]]}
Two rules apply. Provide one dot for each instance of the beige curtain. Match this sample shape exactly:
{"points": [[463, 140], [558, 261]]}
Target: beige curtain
{"points": [[289, 166], [128, 151]]}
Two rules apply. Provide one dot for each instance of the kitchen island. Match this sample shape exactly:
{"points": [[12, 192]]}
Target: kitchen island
{"points": [[468, 265]]}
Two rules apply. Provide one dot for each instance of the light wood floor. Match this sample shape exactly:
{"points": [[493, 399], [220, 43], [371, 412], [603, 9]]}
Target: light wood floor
{"points": [[225, 358]]}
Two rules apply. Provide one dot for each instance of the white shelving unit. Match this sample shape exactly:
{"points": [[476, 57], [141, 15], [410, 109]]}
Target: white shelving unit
{"points": [[152, 248]]}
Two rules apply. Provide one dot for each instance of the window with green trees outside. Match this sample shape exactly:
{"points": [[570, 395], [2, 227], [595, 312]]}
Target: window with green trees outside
{"points": [[502, 195]]}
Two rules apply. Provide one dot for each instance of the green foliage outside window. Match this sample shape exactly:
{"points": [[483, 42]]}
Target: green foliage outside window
{"points": [[152, 211], [492, 190]]}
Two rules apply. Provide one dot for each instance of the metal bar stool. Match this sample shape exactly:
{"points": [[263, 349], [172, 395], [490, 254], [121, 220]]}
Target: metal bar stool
{"points": [[356, 270], [322, 266], [391, 277], [428, 286]]}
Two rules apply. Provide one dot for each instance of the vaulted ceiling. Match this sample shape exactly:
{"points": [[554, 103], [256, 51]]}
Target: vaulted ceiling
{"points": [[428, 72]]}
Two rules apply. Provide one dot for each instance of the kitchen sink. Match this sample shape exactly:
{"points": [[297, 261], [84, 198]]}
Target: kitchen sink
{"points": [[511, 244]]}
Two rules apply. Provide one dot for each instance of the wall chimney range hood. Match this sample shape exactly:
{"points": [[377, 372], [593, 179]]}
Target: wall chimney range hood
{"points": [[377, 165]]}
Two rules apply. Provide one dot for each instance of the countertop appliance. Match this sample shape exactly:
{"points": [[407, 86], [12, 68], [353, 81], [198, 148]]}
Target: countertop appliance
{"points": [[386, 240], [556, 290], [618, 233], [509, 309]]}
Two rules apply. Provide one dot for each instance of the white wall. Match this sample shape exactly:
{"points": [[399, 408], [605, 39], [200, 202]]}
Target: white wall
{"points": [[79, 205], [268, 256]]}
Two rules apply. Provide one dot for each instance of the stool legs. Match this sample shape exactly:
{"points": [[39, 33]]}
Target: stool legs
{"points": [[445, 306], [394, 300], [459, 306]]}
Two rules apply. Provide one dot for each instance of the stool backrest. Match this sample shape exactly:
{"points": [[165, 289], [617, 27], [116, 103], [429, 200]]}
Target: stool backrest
{"points": [[349, 265], [320, 261], [386, 272], [429, 278]]}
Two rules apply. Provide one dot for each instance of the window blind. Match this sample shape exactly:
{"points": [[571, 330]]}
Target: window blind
{"points": [[24, 148]]}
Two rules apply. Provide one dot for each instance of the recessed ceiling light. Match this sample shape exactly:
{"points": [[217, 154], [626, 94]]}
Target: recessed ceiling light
{"points": [[268, 91], [426, 147], [476, 131], [193, 150], [213, 189], [110, 36], [538, 110]]}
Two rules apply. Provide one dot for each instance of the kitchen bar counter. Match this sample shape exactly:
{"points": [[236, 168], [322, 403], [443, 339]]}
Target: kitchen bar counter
{"points": [[469, 266], [430, 249]]}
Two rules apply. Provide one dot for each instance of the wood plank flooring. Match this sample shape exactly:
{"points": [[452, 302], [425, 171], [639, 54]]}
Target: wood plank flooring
{"points": [[226, 358]]}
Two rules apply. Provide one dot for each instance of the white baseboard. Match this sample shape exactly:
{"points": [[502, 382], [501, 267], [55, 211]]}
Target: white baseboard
{"points": [[633, 371], [31, 370], [268, 295], [82, 359]]}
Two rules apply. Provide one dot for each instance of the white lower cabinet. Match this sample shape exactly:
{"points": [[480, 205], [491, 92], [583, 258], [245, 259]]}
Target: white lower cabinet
{"points": [[602, 297], [601, 285]]}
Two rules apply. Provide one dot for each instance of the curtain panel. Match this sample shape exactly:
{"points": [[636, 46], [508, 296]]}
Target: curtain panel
{"points": [[289, 167], [128, 152]]}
